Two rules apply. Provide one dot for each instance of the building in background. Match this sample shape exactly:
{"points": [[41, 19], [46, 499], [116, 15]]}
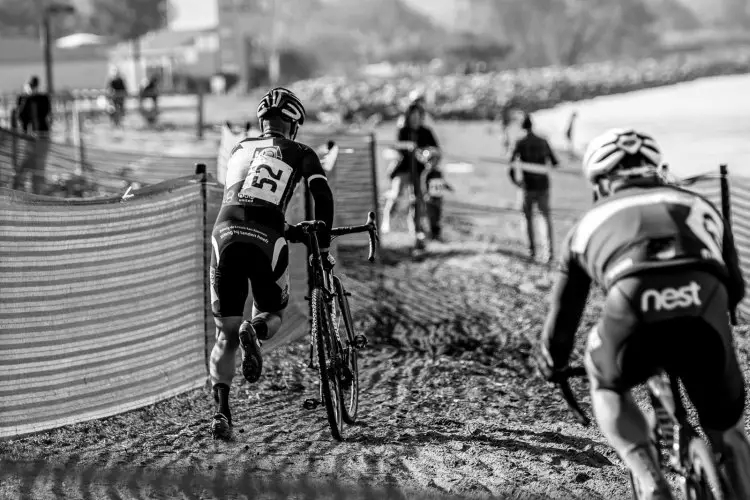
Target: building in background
{"points": [[181, 59], [80, 67], [246, 34]]}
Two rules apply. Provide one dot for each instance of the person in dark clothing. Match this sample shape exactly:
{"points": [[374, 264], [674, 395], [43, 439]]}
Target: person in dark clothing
{"points": [[118, 91], [33, 114], [150, 91], [402, 180], [529, 152]]}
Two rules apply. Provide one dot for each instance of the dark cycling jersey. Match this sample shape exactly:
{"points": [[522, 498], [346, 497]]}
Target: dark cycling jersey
{"points": [[639, 230], [248, 236], [262, 174]]}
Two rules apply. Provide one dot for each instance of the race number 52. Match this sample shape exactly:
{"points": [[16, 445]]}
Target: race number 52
{"points": [[707, 225], [266, 180], [271, 179]]}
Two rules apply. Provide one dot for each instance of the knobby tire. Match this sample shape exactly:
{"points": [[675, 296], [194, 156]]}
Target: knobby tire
{"points": [[350, 405], [322, 331]]}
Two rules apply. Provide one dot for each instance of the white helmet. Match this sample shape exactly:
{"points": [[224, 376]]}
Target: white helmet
{"points": [[623, 151]]}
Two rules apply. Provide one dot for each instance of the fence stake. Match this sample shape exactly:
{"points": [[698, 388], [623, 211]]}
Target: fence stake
{"points": [[199, 114], [200, 169], [374, 169], [14, 143], [78, 136], [726, 212]]}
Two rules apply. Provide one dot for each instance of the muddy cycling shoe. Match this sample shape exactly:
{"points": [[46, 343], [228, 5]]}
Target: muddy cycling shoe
{"points": [[221, 427], [252, 360]]}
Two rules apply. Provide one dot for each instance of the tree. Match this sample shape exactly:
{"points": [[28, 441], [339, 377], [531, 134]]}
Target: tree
{"points": [[24, 18], [128, 19], [567, 32]]}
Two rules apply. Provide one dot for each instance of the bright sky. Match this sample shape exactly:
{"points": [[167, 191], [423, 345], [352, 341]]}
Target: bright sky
{"points": [[194, 14], [197, 14]]}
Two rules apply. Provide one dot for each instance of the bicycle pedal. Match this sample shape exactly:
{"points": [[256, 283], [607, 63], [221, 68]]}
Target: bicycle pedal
{"points": [[310, 404], [307, 298], [360, 341]]}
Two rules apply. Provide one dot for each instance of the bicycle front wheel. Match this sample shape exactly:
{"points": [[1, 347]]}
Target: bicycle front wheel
{"points": [[322, 330], [350, 370], [703, 481]]}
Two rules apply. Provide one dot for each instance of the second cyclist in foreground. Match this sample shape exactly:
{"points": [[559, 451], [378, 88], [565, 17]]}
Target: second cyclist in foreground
{"points": [[248, 241], [668, 265]]}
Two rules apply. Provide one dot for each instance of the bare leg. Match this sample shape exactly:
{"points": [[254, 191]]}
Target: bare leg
{"points": [[222, 362], [626, 429]]}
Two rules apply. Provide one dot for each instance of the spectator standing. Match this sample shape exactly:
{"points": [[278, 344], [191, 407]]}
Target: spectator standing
{"points": [[34, 115], [569, 133], [533, 181], [118, 91], [407, 171], [150, 91]]}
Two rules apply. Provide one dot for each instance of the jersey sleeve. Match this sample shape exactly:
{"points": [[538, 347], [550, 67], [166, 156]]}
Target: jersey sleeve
{"points": [[317, 182], [566, 307]]}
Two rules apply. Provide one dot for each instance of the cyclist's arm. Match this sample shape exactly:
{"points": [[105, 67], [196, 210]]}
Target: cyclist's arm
{"points": [[736, 285], [567, 304], [317, 182]]}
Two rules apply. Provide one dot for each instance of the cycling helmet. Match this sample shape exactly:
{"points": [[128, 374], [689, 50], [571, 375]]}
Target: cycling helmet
{"points": [[622, 152], [284, 102]]}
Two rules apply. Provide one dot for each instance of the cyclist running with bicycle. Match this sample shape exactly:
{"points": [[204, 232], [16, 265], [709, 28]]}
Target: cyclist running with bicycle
{"points": [[249, 244], [667, 262]]}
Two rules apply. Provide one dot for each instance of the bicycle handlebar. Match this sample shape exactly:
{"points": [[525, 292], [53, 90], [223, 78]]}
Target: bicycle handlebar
{"points": [[562, 381], [314, 226]]}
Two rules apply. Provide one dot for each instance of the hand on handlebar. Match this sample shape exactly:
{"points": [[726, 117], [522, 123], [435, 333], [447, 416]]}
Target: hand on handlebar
{"points": [[546, 366], [328, 260]]}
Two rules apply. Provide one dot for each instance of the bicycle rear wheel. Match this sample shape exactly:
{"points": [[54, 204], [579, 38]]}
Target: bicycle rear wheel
{"points": [[322, 331], [350, 370], [703, 481]]}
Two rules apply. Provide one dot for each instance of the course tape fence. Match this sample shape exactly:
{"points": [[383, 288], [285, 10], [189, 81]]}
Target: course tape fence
{"points": [[102, 305], [98, 279]]}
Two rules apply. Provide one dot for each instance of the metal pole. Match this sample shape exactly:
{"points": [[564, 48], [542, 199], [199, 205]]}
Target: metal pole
{"points": [[199, 117], [374, 170], [726, 211], [47, 46]]}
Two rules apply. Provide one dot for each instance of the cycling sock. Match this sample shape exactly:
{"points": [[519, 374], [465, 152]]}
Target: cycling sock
{"points": [[221, 398]]}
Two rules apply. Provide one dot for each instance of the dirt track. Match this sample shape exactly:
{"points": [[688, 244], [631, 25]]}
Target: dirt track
{"points": [[449, 405]]}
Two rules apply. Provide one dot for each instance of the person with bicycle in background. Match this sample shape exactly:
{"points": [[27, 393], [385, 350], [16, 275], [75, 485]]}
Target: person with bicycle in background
{"points": [[667, 262], [403, 179], [249, 244]]}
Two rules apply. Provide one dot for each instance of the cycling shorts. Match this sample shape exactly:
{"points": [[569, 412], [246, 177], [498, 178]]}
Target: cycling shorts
{"points": [[248, 251], [676, 320]]}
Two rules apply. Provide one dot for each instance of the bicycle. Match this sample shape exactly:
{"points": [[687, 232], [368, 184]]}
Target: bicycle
{"points": [[329, 308], [688, 455]]}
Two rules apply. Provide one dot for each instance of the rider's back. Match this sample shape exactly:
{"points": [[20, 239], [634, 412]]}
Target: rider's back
{"points": [[262, 174], [639, 229]]}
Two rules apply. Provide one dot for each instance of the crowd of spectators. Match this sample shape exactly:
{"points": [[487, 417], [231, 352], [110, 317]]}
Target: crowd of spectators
{"points": [[480, 96]]}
